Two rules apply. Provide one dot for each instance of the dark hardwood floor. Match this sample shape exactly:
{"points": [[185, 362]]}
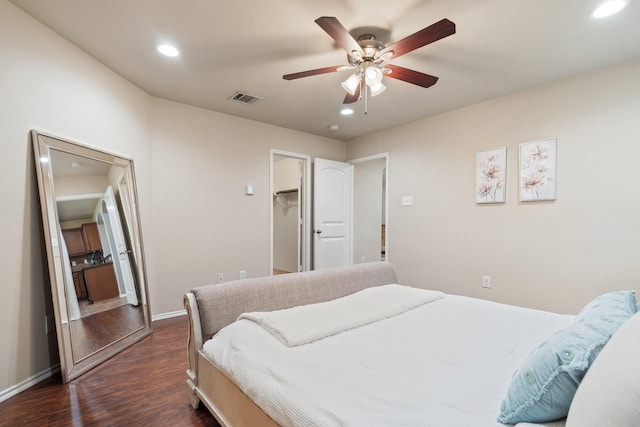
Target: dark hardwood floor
{"points": [[142, 386], [93, 332]]}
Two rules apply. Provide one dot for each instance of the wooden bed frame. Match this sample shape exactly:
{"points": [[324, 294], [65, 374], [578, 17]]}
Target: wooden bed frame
{"points": [[210, 308]]}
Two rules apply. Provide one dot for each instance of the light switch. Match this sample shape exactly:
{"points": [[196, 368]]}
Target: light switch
{"points": [[407, 201]]}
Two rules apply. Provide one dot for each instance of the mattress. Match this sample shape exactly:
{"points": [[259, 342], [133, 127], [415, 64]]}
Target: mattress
{"points": [[443, 363]]}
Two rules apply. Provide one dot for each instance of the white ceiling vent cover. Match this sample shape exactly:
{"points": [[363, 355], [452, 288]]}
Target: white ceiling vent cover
{"points": [[245, 98]]}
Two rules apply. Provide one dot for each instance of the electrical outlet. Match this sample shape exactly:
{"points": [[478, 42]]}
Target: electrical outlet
{"points": [[49, 324], [406, 201], [220, 277], [486, 281], [243, 274]]}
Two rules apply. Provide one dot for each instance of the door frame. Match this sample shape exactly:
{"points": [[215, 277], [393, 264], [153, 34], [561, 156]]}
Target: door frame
{"points": [[384, 155], [305, 233]]}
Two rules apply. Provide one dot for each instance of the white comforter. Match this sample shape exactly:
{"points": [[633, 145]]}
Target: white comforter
{"points": [[446, 363], [309, 323]]}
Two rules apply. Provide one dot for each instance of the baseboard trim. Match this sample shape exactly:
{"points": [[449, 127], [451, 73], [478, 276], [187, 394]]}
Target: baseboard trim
{"points": [[29, 382], [168, 315], [41, 376]]}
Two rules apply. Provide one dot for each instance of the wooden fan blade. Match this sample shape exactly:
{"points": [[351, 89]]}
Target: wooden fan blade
{"points": [[430, 34], [336, 31], [350, 99], [410, 76], [308, 73]]}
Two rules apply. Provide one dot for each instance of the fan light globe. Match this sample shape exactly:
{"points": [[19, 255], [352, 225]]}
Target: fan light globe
{"points": [[377, 89], [373, 76], [351, 84]]}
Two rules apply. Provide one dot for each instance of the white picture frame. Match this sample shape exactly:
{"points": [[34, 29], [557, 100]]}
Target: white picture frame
{"points": [[538, 170], [491, 174]]}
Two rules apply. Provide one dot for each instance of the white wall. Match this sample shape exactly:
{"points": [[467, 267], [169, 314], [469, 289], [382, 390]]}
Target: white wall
{"points": [[552, 255]]}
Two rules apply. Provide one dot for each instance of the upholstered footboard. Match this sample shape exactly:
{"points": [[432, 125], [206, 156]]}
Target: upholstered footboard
{"points": [[210, 308]]}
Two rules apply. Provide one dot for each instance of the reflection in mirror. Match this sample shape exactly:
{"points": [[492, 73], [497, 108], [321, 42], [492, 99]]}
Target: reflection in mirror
{"points": [[94, 251]]}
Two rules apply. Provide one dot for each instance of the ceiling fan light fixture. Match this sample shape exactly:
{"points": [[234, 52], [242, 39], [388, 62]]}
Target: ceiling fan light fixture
{"points": [[373, 76], [366, 56], [377, 89], [351, 84]]}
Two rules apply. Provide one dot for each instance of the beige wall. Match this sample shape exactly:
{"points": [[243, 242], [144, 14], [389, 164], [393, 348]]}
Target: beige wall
{"points": [[196, 219], [551, 255], [49, 85], [72, 186], [205, 223]]}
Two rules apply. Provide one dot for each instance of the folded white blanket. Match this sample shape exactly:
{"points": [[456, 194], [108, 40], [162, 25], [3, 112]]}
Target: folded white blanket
{"points": [[305, 324]]}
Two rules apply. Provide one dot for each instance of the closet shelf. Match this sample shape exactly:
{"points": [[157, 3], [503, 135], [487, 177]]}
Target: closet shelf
{"points": [[287, 191], [286, 198]]}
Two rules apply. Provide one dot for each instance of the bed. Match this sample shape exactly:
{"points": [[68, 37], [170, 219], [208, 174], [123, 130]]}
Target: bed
{"points": [[352, 347]]}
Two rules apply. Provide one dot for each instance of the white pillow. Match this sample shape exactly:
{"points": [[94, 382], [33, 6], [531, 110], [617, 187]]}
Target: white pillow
{"points": [[609, 394]]}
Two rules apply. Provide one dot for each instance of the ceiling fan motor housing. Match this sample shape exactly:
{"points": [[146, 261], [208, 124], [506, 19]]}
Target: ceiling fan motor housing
{"points": [[371, 48]]}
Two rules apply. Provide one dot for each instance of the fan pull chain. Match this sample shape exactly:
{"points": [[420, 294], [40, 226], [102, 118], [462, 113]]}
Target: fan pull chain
{"points": [[365, 98]]}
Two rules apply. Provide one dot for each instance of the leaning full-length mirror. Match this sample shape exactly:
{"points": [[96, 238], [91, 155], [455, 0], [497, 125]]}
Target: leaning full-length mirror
{"points": [[94, 251]]}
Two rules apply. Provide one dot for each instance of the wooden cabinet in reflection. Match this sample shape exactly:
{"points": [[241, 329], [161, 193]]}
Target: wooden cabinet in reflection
{"points": [[101, 282], [75, 241], [82, 240], [78, 283], [91, 237]]}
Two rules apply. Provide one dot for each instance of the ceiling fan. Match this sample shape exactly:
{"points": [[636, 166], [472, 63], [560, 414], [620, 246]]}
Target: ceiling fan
{"points": [[368, 58]]}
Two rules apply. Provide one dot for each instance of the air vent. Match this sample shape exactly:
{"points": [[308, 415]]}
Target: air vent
{"points": [[245, 98]]}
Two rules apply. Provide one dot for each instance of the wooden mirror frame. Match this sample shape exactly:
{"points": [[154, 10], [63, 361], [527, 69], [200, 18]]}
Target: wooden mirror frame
{"points": [[70, 366]]}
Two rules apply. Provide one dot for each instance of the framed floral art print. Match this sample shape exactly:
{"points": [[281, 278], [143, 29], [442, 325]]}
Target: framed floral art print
{"points": [[538, 170], [491, 169]]}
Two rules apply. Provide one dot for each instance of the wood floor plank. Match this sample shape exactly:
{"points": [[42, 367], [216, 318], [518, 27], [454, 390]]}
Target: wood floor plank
{"points": [[142, 386]]}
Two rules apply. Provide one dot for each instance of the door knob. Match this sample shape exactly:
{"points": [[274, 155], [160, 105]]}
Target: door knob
{"points": [[318, 231]]}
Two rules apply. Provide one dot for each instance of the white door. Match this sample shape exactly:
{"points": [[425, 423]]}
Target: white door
{"points": [[332, 214], [121, 253]]}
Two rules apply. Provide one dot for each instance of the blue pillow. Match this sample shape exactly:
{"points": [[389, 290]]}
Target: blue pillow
{"points": [[542, 389]]}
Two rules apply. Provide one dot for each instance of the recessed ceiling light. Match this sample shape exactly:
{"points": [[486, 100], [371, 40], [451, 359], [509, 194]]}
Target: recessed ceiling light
{"points": [[608, 8], [346, 111], [334, 128], [168, 50]]}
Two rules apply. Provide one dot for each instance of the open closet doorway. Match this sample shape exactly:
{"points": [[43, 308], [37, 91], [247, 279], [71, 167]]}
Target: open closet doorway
{"points": [[290, 213], [370, 177]]}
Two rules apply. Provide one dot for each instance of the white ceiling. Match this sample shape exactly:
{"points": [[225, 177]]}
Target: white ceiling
{"points": [[501, 47]]}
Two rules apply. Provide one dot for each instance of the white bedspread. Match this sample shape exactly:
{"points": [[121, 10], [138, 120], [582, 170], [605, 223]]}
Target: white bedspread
{"points": [[443, 364], [308, 323]]}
